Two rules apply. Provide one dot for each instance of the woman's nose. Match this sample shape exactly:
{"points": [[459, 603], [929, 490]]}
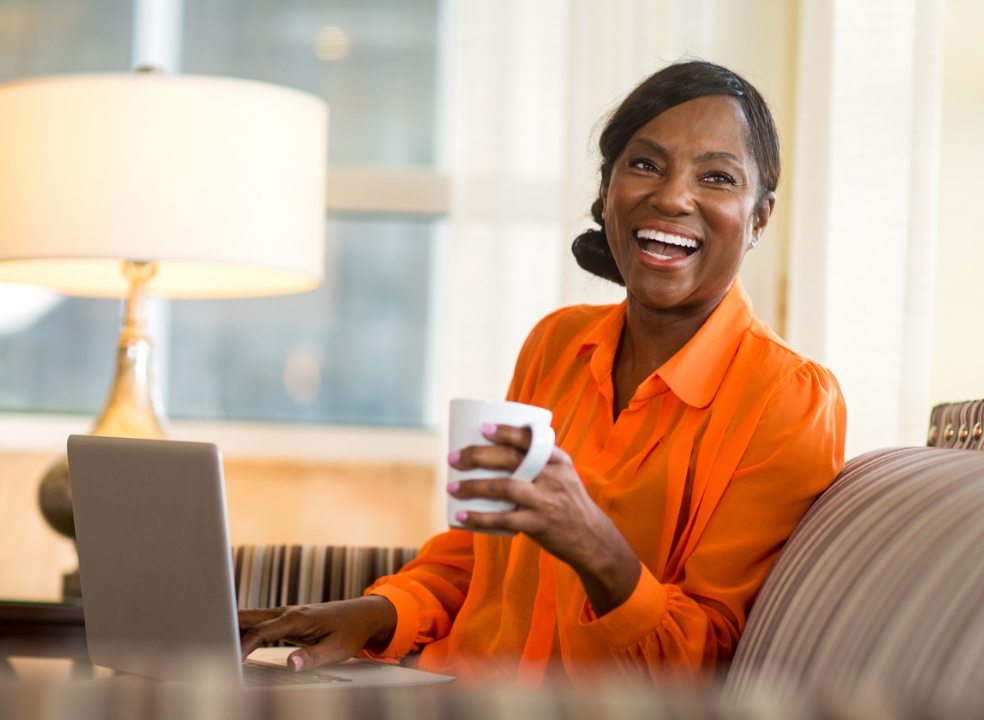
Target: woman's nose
{"points": [[672, 195]]}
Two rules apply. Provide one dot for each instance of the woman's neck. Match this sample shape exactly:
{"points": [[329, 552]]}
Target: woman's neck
{"points": [[650, 337]]}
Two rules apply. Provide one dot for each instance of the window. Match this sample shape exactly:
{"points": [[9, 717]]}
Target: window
{"points": [[353, 352]]}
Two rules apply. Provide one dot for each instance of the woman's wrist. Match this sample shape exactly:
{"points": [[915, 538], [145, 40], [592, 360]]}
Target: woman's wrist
{"points": [[382, 619], [609, 570]]}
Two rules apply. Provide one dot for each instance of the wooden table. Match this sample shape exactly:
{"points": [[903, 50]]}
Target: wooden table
{"points": [[44, 630]]}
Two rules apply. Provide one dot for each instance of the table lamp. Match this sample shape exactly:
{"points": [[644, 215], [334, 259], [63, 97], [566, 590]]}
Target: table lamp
{"points": [[119, 185]]}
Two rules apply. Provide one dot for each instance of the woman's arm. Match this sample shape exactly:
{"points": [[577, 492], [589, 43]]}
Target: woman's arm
{"points": [[426, 593], [397, 615]]}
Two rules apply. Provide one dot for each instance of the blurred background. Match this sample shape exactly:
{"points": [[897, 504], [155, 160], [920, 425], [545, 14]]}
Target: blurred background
{"points": [[462, 163]]}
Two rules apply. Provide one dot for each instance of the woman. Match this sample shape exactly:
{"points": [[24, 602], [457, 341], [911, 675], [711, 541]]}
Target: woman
{"points": [[691, 440]]}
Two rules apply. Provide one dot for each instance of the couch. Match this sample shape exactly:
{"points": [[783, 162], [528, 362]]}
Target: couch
{"points": [[880, 590]]}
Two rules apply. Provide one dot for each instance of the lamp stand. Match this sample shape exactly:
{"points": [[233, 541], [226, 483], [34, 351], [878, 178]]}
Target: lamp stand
{"points": [[133, 408]]}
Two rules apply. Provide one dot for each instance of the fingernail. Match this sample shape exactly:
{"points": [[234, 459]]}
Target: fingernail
{"points": [[461, 515], [488, 428], [297, 661], [453, 487], [453, 457]]}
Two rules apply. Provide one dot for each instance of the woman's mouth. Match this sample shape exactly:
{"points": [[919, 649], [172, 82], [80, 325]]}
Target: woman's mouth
{"points": [[665, 246]]}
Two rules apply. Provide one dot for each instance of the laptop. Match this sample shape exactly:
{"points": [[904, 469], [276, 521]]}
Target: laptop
{"points": [[156, 569]]}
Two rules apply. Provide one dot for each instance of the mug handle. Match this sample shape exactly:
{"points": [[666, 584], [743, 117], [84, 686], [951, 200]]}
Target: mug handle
{"points": [[537, 457]]}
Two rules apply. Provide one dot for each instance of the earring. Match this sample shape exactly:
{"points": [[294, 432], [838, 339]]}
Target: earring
{"points": [[753, 243]]}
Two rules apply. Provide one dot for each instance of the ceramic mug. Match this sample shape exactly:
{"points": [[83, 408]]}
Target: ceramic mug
{"points": [[465, 428]]}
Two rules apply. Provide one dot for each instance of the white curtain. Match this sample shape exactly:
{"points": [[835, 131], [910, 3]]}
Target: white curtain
{"points": [[863, 232], [853, 85]]}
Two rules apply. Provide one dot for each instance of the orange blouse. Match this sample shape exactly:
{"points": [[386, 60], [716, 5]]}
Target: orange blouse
{"points": [[706, 473]]}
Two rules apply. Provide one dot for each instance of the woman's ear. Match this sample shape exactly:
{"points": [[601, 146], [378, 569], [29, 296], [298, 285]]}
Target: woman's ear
{"points": [[761, 216]]}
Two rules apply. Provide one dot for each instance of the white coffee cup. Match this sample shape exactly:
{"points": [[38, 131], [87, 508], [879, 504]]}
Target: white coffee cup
{"points": [[465, 429]]}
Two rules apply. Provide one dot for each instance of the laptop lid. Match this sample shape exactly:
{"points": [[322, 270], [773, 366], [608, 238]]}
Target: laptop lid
{"points": [[154, 558], [156, 569]]}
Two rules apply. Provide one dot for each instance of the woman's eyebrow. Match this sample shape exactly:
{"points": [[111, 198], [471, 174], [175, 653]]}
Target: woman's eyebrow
{"points": [[710, 156], [651, 145], [718, 155]]}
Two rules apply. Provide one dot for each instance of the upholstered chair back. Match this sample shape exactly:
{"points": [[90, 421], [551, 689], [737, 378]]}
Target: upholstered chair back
{"points": [[275, 575]]}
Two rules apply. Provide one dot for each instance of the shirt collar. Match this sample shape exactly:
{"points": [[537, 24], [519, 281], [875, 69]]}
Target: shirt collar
{"points": [[696, 371], [602, 342]]}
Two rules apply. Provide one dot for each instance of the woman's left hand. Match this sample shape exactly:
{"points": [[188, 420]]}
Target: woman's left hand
{"points": [[555, 511]]}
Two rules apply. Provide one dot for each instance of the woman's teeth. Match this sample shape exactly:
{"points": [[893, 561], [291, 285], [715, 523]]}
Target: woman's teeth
{"points": [[667, 238], [665, 246]]}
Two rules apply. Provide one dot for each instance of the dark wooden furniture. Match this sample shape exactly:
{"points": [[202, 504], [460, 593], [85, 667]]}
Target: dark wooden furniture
{"points": [[43, 629]]}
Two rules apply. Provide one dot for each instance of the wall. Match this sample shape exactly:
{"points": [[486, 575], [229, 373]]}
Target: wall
{"points": [[269, 502], [958, 340]]}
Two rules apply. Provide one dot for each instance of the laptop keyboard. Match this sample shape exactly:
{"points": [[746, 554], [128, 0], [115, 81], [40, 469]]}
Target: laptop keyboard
{"points": [[260, 675]]}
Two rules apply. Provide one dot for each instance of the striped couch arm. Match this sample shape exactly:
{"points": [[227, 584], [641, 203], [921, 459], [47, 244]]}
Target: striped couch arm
{"points": [[879, 590], [274, 575]]}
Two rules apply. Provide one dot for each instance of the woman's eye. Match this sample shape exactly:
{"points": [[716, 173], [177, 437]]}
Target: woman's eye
{"points": [[644, 164], [720, 178]]}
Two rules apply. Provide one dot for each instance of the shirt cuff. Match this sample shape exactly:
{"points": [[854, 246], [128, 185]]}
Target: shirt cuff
{"points": [[407, 622], [633, 619]]}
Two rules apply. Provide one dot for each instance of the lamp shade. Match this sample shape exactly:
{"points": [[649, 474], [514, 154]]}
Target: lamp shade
{"points": [[219, 181]]}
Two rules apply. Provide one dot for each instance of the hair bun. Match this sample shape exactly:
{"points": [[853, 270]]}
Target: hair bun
{"points": [[592, 253]]}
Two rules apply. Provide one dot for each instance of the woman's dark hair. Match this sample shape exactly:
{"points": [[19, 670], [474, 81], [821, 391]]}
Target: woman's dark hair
{"points": [[667, 88]]}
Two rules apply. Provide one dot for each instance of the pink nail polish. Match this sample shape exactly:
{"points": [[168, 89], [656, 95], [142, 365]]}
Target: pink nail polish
{"points": [[461, 515], [297, 661], [489, 428], [453, 457], [453, 487]]}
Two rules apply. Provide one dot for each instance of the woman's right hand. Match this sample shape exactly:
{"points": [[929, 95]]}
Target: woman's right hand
{"points": [[330, 632]]}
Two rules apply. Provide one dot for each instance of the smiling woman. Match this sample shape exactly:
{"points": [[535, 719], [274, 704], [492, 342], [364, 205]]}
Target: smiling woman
{"points": [[690, 438]]}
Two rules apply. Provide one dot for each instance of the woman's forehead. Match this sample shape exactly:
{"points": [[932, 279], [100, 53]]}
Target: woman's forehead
{"points": [[705, 125]]}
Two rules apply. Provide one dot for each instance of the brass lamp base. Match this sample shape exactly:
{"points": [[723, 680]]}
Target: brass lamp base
{"points": [[55, 499], [132, 410]]}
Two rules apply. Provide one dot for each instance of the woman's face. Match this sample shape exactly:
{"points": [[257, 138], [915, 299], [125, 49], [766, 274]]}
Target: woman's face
{"points": [[681, 207]]}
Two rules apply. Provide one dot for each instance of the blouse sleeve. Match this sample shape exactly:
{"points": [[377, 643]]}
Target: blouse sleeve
{"points": [[427, 592], [694, 622]]}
